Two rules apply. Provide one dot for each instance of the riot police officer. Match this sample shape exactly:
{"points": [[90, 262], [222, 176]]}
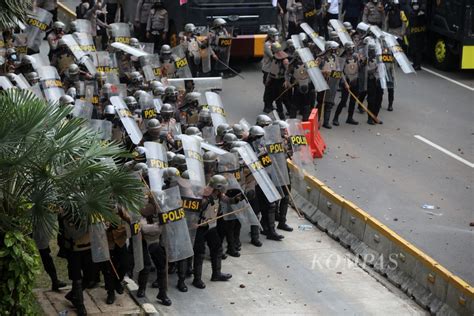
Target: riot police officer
{"points": [[157, 24], [54, 37], [274, 85], [416, 33]]}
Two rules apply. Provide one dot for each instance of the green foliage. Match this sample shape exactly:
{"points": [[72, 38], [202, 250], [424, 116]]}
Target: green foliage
{"points": [[19, 264], [49, 164], [14, 11]]}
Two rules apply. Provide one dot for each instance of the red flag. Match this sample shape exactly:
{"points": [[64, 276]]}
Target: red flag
{"points": [[181, 2]]}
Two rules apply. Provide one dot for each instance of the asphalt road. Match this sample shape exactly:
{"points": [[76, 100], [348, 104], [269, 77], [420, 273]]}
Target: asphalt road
{"points": [[390, 173]]}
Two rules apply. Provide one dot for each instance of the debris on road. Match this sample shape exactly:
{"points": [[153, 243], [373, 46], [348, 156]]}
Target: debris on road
{"points": [[428, 207]]}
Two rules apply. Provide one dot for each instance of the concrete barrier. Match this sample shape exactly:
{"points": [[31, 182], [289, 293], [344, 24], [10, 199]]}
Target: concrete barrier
{"points": [[430, 284]]}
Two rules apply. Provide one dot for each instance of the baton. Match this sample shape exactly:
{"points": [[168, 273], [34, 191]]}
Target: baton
{"points": [[221, 216], [360, 103], [285, 91], [228, 67]]}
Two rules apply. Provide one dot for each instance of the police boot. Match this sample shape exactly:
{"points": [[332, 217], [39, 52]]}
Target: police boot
{"points": [[163, 298], [78, 298], [327, 116], [255, 236], [198, 261], [350, 120], [57, 284], [142, 281], [182, 276], [110, 297], [217, 275], [282, 215], [335, 120], [271, 233], [390, 106]]}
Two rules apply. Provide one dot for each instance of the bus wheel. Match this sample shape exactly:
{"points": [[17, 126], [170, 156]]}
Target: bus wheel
{"points": [[443, 57]]}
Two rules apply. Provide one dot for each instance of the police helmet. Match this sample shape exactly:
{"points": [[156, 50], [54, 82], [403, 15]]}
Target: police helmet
{"points": [[276, 47], [142, 168], [153, 124], [73, 70], [59, 26], [134, 42], [332, 45], [167, 109], [348, 26], [263, 120], [222, 129], [171, 91], [192, 130], [11, 53], [72, 92], [139, 153], [192, 98], [283, 125], [159, 91], [219, 22], [219, 182], [303, 37], [131, 102], [349, 46], [179, 160], [238, 143], [73, 25], [139, 93], [28, 60], [136, 77], [238, 130], [109, 110], [62, 43], [209, 157], [272, 32], [155, 84], [171, 174], [185, 175], [32, 77], [229, 138], [170, 155], [189, 28], [66, 100], [204, 116], [165, 50], [333, 35], [256, 131]]}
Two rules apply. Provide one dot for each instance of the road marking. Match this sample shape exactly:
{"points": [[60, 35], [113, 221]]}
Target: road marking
{"points": [[444, 150], [447, 78]]}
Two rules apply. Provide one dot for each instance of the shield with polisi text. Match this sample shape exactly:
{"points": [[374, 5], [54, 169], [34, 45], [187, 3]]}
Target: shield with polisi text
{"points": [[127, 119], [191, 195], [215, 106], [314, 36], [194, 163], [37, 24], [151, 67], [156, 160], [82, 109], [99, 243], [175, 228], [181, 63], [119, 32], [79, 55], [51, 83], [313, 70], [259, 173], [276, 150], [299, 144]]}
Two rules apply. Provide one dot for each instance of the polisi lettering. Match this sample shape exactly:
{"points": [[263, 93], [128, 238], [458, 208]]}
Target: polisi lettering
{"points": [[121, 39], [171, 216], [149, 113], [312, 64], [275, 148], [256, 165], [180, 63], [216, 109], [125, 113], [135, 228], [224, 42], [265, 160], [310, 13], [190, 204], [194, 155], [299, 140], [387, 58], [52, 83], [157, 72], [34, 22], [156, 163]]}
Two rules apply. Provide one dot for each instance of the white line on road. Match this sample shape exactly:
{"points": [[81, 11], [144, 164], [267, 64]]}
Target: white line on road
{"points": [[447, 78], [444, 150]]}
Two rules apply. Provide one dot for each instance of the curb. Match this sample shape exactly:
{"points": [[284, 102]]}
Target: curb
{"points": [[144, 303], [421, 277]]}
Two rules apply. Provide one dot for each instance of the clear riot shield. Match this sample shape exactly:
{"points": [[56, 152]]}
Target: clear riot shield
{"points": [[105, 62], [374, 29], [50, 83], [398, 53], [198, 84], [99, 243], [296, 41], [20, 81], [181, 63], [37, 24], [276, 150], [191, 195], [136, 239], [129, 49], [127, 119], [381, 69], [175, 229], [299, 144], [147, 47], [156, 160], [83, 26], [192, 151], [85, 41], [209, 135], [313, 35], [214, 103], [147, 104], [103, 128], [243, 211], [259, 173], [151, 67], [205, 53], [82, 109], [341, 31], [21, 44], [5, 83], [313, 70], [215, 149], [40, 60], [222, 48], [79, 54], [119, 32]]}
